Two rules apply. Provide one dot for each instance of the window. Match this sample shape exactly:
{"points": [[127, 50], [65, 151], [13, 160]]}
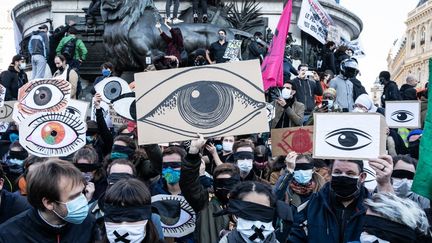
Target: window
{"points": [[423, 36], [413, 40]]}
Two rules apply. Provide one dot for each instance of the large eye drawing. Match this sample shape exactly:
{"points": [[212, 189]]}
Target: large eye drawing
{"points": [[402, 116], [348, 139], [53, 134], [111, 88], [177, 216], [206, 107], [5, 111], [44, 95]]}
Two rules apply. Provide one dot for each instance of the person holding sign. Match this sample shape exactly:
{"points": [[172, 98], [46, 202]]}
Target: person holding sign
{"points": [[289, 112], [338, 210]]}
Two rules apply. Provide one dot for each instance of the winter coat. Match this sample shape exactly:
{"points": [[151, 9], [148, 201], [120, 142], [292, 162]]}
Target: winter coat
{"points": [[30, 227], [11, 204], [328, 60], [38, 44], [408, 92], [12, 81], [322, 225], [208, 227], [358, 88], [391, 92], [80, 48], [344, 92], [294, 113], [306, 91]]}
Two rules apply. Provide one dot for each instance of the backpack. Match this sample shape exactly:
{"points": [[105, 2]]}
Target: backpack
{"points": [[68, 49]]}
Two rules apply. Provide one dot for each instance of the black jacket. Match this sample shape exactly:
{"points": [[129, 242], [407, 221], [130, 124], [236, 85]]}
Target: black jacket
{"points": [[12, 81], [328, 60], [306, 91], [30, 227], [408, 92], [11, 204], [391, 92], [358, 88]]}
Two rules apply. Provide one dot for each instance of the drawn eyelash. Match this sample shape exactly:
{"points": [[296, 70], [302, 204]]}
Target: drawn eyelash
{"points": [[65, 118]]}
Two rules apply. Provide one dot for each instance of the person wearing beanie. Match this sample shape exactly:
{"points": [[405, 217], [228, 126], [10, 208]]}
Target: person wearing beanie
{"points": [[14, 78]]}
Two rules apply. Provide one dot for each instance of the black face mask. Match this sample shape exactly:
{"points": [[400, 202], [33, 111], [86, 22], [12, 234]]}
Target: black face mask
{"points": [[345, 188], [223, 186], [61, 68], [413, 149]]}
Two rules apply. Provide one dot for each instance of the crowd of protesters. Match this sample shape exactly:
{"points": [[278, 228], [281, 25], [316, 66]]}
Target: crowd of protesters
{"points": [[237, 189]]}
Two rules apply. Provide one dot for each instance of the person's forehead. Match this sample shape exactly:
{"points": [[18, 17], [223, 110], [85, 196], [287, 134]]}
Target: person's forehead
{"points": [[171, 158], [68, 188], [120, 143], [402, 165], [304, 68], [244, 149], [221, 33], [345, 166], [121, 168], [287, 85], [229, 138]]}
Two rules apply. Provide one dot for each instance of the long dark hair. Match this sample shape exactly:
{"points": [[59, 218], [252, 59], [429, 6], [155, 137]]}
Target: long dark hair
{"points": [[129, 193]]}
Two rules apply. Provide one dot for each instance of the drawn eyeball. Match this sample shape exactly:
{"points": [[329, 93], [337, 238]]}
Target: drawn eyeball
{"points": [[204, 106], [5, 111], [111, 88], [177, 216], [348, 139], [53, 134], [124, 106], [44, 95], [402, 116]]}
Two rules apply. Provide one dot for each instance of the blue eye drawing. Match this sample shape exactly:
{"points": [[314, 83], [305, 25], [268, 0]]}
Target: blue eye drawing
{"points": [[402, 116], [205, 106], [348, 139]]}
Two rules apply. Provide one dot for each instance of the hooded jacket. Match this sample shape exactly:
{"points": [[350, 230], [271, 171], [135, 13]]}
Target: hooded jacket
{"points": [[38, 44], [391, 92], [305, 92], [408, 92], [12, 81], [317, 223], [30, 227]]}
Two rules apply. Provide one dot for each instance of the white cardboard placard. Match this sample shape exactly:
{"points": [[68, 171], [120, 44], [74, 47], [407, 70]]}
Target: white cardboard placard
{"points": [[405, 114]]}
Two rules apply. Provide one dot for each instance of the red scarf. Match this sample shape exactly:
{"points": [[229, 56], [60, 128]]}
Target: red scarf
{"points": [[302, 189]]}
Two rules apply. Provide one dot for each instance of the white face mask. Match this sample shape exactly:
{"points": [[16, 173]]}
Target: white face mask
{"points": [[402, 186], [330, 103], [245, 165], [367, 238], [357, 109], [286, 93], [135, 232], [227, 146], [246, 230], [22, 66]]}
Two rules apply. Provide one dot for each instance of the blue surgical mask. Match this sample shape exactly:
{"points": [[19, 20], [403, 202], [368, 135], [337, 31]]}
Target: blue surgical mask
{"points": [[171, 176], [89, 139], [302, 176], [13, 137], [118, 155], [16, 161], [77, 210], [218, 147], [106, 72]]}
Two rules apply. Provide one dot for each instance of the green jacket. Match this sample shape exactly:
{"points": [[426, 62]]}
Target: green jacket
{"points": [[80, 48]]}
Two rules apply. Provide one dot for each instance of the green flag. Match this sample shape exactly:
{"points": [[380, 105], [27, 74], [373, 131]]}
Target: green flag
{"points": [[422, 184]]}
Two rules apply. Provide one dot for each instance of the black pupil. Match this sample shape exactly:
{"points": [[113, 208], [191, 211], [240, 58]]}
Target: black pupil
{"points": [[201, 96], [53, 133], [402, 116], [348, 139], [42, 96]]}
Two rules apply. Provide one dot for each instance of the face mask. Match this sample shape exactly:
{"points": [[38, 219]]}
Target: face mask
{"points": [[77, 210], [286, 93], [13, 137], [227, 146], [245, 165], [132, 233], [22, 66], [16, 161], [61, 68], [221, 37], [106, 72], [402, 186], [367, 238], [254, 231], [171, 176], [302, 176], [413, 149], [344, 187], [20, 155], [89, 139], [330, 103], [358, 109]]}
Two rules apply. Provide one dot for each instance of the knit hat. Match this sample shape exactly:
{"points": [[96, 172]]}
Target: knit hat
{"points": [[367, 102], [414, 132]]}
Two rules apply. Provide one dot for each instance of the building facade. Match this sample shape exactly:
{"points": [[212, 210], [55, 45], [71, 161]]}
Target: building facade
{"points": [[410, 54]]}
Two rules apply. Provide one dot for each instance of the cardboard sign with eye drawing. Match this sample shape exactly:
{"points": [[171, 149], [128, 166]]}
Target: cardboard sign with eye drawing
{"points": [[213, 100], [50, 123], [404, 114], [349, 136], [293, 139]]}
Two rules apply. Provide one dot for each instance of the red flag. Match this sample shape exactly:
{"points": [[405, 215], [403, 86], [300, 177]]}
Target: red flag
{"points": [[272, 67]]}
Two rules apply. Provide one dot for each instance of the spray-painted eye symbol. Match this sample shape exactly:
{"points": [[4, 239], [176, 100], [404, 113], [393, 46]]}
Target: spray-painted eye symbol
{"points": [[348, 139], [54, 134], [45, 95], [402, 116]]}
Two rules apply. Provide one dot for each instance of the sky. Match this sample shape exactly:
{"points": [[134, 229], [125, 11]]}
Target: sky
{"points": [[383, 23]]}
